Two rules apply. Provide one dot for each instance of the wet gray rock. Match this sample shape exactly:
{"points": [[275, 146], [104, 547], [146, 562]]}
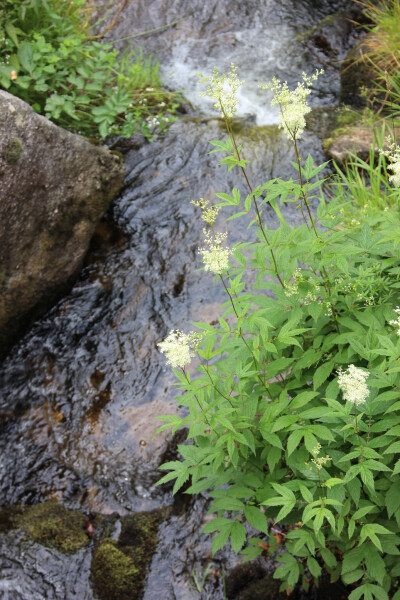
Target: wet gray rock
{"points": [[54, 187]]}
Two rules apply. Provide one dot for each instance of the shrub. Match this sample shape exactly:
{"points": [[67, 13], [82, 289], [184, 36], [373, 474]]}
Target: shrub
{"points": [[48, 59], [294, 415]]}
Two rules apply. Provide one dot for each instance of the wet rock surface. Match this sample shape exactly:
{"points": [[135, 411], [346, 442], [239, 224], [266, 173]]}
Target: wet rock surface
{"points": [[54, 187]]}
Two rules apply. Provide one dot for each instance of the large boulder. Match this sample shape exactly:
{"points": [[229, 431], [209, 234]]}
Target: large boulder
{"points": [[54, 187]]}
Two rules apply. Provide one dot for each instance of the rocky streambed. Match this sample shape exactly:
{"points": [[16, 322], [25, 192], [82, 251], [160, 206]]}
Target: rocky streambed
{"points": [[81, 516]]}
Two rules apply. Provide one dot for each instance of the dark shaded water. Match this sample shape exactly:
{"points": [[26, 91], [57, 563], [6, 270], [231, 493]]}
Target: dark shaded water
{"points": [[80, 392]]}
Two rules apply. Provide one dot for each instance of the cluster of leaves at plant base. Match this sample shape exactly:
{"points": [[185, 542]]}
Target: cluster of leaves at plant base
{"points": [[266, 396], [48, 60]]}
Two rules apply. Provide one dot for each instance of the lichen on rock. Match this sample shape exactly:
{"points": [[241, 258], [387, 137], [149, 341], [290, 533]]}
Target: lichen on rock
{"points": [[12, 150]]}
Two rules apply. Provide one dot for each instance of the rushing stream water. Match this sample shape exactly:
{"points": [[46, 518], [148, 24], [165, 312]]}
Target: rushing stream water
{"points": [[79, 392]]}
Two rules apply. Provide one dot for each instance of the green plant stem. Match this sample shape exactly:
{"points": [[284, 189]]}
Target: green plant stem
{"points": [[207, 370], [305, 200], [197, 400], [242, 336], [303, 192], [356, 429], [259, 220]]}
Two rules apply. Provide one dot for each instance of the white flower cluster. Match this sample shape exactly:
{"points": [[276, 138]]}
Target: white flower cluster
{"points": [[393, 154], [352, 384], [319, 461], [209, 214], [292, 289], [222, 89], [396, 322], [215, 257], [179, 347], [293, 104]]}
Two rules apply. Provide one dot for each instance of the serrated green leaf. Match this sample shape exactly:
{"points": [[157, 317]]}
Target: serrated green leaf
{"points": [[374, 562], [352, 559], [226, 503], [351, 527], [256, 518], [361, 512], [396, 469], [294, 440], [217, 524], [273, 457], [393, 448], [238, 536], [357, 593], [221, 539], [328, 557], [333, 481], [322, 374], [352, 576], [314, 567]]}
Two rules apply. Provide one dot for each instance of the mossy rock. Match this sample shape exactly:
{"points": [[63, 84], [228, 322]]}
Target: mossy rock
{"points": [[114, 574], [52, 524], [344, 120], [119, 567], [354, 133]]}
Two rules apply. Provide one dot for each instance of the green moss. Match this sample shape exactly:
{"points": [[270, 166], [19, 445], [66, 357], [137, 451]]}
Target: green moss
{"points": [[114, 574], [12, 150], [119, 567], [54, 525], [327, 143]]}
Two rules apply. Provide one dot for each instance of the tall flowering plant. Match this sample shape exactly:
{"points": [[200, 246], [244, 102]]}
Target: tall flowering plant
{"points": [[293, 416]]}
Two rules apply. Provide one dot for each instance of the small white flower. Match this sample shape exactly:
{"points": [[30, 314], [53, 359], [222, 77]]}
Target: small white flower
{"points": [[222, 89], [209, 214], [293, 105], [352, 384], [396, 322], [215, 257], [393, 154], [178, 347]]}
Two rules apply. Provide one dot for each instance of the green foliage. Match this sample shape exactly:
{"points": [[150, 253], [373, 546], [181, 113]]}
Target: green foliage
{"points": [[384, 34], [48, 59], [272, 438], [382, 52], [362, 186]]}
